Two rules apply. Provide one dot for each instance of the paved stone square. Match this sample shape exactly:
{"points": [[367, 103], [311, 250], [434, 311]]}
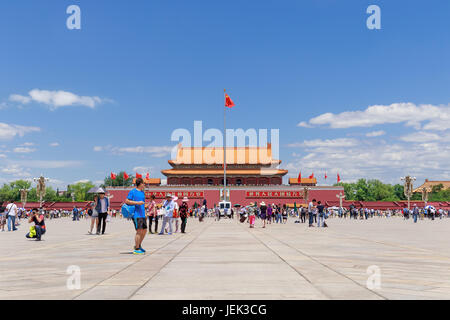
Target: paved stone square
{"points": [[228, 260]]}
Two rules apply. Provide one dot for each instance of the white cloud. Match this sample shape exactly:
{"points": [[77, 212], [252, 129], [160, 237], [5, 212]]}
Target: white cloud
{"points": [[54, 144], [376, 160], [421, 137], [27, 144], [24, 150], [340, 142], [57, 99], [20, 99], [436, 117], [3, 156], [16, 171], [10, 131], [144, 169], [157, 152], [375, 134], [51, 164], [154, 151], [82, 181]]}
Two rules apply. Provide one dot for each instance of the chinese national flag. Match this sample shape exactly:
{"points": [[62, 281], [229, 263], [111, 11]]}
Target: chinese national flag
{"points": [[311, 176], [138, 176], [326, 176], [228, 102], [300, 177], [113, 176], [338, 178], [147, 176], [125, 176]]}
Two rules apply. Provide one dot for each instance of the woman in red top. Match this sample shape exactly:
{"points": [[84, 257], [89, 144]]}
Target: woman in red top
{"points": [[152, 214]]}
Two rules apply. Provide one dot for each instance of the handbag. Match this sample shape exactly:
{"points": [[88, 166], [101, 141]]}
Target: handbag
{"points": [[32, 232]]}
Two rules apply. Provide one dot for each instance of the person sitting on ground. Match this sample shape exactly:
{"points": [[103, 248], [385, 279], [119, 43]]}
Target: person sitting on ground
{"points": [[39, 225]]}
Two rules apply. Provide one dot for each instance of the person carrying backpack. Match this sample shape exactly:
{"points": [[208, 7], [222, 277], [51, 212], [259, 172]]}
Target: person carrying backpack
{"points": [[39, 225], [136, 198]]}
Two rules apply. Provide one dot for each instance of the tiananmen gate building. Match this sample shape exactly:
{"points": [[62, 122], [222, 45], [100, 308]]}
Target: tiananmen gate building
{"points": [[252, 175]]}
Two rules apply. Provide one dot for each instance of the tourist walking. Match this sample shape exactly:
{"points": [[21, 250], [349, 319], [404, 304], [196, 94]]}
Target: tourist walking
{"points": [[217, 213], [94, 216], [167, 208], [278, 214], [102, 207], [269, 214], [2, 218], [11, 213], [285, 214], [136, 198], [321, 214], [311, 207], [303, 214], [415, 213], [152, 214], [184, 214], [176, 215], [263, 213], [252, 214], [75, 213]]}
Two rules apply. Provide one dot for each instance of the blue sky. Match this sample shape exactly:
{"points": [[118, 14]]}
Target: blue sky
{"points": [[138, 70]]}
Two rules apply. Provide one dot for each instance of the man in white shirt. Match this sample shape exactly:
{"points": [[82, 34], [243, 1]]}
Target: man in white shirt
{"points": [[11, 211], [168, 206]]}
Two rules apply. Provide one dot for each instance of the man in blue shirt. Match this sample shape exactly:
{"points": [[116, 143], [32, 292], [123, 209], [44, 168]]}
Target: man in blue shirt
{"points": [[136, 198]]}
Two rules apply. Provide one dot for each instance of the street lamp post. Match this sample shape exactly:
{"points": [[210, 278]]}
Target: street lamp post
{"points": [[341, 197], [41, 188], [306, 194], [408, 188], [23, 196], [425, 195]]}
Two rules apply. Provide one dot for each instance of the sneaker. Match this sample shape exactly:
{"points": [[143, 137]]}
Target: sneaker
{"points": [[160, 234], [169, 234], [138, 251], [142, 250]]}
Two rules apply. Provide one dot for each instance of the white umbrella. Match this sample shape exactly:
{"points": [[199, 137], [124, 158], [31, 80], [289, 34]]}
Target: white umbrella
{"points": [[430, 207], [96, 190]]}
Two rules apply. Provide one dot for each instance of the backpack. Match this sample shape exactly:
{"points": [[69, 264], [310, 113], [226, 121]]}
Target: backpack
{"points": [[128, 211]]}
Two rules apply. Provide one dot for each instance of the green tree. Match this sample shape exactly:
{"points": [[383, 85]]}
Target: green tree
{"points": [[80, 190], [119, 181]]}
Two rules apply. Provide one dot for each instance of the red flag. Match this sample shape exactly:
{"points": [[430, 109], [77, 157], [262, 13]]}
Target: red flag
{"points": [[125, 176], [147, 176], [326, 176], [228, 102], [138, 176], [113, 176], [311, 176], [300, 177], [338, 178]]}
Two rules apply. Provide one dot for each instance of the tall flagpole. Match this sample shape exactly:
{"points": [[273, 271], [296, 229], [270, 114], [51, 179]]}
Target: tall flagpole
{"points": [[224, 147]]}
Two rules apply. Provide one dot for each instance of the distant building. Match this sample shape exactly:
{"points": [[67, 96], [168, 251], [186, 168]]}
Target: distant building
{"points": [[430, 184], [306, 182], [246, 166]]}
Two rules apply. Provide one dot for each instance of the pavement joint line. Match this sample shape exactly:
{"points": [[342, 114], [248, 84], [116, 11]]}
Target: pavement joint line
{"points": [[130, 265], [292, 267], [326, 266], [394, 245], [171, 259]]}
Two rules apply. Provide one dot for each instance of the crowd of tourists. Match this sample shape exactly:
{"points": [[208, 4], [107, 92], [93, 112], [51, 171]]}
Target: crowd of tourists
{"points": [[171, 215]]}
